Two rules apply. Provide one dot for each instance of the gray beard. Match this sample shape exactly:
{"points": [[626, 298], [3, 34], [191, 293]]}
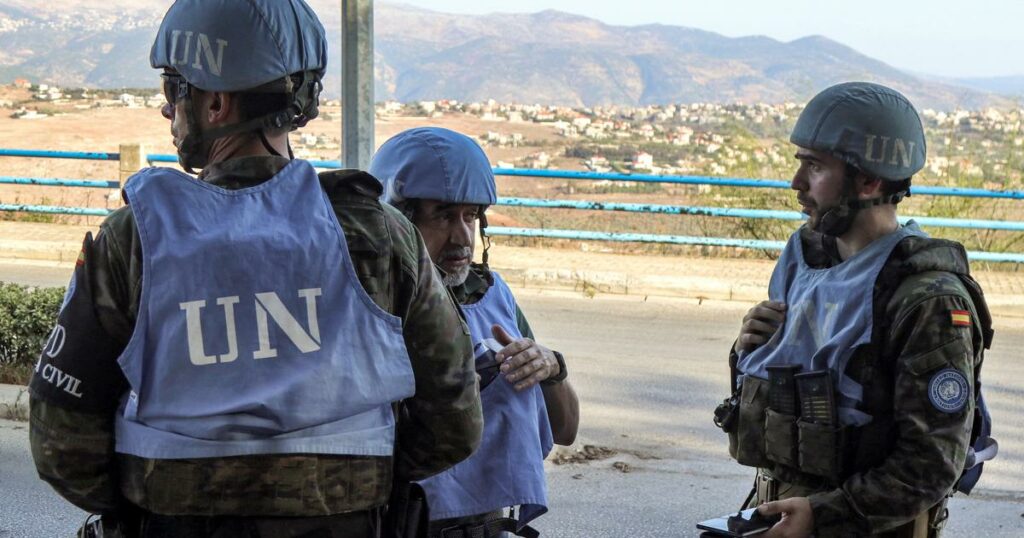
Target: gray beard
{"points": [[457, 278]]}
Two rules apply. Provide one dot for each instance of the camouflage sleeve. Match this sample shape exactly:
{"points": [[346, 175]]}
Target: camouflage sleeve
{"points": [[74, 453], [76, 387], [523, 325], [932, 341], [442, 423]]}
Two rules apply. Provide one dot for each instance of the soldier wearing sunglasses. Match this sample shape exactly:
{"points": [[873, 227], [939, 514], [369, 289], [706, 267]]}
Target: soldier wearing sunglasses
{"points": [[239, 341]]}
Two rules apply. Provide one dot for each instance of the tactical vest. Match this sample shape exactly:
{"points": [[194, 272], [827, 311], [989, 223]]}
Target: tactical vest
{"points": [[508, 467], [254, 335], [828, 315], [825, 455]]}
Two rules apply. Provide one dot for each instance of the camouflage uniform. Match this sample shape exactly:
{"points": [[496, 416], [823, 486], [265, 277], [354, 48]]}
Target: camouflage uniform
{"points": [[908, 459], [439, 426]]}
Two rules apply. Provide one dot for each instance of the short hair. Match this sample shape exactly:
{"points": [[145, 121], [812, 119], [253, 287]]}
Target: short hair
{"points": [[888, 187], [253, 105], [893, 187]]}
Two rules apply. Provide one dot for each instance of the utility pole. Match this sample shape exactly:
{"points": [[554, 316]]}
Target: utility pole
{"points": [[357, 112]]}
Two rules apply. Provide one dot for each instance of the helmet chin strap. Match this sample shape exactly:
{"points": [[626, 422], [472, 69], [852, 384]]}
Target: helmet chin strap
{"points": [[485, 240], [836, 220], [192, 152], [194, 149]]}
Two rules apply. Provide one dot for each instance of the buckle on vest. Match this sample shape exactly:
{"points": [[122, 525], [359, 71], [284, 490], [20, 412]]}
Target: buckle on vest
{"points": [[767, 487]]}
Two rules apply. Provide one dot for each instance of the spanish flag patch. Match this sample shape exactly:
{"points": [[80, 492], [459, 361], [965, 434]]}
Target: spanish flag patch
{"points": [[81, 258], [960, 317]]}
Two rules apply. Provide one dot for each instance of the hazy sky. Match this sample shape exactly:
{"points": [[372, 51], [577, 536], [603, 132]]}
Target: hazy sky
{"points": [[957, 38]]}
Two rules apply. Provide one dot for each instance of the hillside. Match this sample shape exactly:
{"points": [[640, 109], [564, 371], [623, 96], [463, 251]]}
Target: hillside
{"points": [[548, 57]]}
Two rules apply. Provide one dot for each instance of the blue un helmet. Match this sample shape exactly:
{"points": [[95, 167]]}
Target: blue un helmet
{"points": [[257, 46], [873, 129], [431, 163]]}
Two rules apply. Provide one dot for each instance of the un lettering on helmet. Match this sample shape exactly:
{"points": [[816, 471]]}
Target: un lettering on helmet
{"points": [[182, 44], [870, 126], [877, 149], [239, 45]]}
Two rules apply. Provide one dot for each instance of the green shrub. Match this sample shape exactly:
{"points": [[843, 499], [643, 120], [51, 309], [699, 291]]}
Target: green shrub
{"points": [[27, 316]]}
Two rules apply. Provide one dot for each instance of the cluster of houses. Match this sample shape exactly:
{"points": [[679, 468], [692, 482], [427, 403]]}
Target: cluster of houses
{"points": [[76, 98], [9, 24], [683, 126], [974, 143]]}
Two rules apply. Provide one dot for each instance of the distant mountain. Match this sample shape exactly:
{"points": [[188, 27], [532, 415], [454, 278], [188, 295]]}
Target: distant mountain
{"points": [[546, 57], [1010, 86]]}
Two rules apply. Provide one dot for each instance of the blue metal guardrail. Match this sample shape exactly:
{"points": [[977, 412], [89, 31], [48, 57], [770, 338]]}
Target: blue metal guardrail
{"points": [[28, 208], [164, 158], [734, 182], [48, 154], [1015, 226], [692, 240], [573, 204]]}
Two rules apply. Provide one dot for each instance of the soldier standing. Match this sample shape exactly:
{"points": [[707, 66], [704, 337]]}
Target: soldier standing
{"points": [[443, 182], [856, 385], [233, 346]]}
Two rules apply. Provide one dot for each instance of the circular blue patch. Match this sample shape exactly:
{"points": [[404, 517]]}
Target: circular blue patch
{"points": [[948, 390]]}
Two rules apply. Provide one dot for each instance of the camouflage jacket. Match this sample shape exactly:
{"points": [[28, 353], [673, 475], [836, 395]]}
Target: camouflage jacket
{"points": [[910, 456], [72, 436]]}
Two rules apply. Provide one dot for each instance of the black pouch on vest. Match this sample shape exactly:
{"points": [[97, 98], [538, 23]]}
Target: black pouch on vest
{"points": [[780, 438], [820, 438], [747, 444], [819, 447], [407, 513]]}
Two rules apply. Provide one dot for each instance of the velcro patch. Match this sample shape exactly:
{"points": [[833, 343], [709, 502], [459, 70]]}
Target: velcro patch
{"points": [[948, 390], [960, 317]]}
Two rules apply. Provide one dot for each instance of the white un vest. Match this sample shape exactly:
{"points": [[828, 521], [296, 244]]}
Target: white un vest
{"points": [[254, 335], [508, 467]]}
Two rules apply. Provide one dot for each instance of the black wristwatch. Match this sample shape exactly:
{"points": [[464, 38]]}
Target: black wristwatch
{"points": [[562, 372]]}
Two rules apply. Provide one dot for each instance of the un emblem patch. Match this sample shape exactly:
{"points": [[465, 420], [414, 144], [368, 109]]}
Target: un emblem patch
{"points": [[948, 391]]}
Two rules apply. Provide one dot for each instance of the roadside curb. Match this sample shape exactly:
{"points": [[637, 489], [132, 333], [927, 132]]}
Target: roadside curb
{"points": [[13, 402], [749, 286], [591, 283], [37, 251]]}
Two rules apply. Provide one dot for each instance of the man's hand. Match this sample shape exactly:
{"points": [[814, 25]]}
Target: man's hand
{"points": [[524, 362], [797, 518], [759, 325]]}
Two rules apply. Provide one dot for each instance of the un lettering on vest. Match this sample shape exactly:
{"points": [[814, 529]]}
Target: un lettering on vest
{"points": [[889, 150], [182, 42], [807, 319], [268, 306]]}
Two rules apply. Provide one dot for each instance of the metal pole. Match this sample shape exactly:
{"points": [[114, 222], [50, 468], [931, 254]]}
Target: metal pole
{"points": [[132, 159], [357, 113]]}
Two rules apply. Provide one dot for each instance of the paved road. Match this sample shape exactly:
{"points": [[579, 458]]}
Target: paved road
{"points": [[648, 373], [35, 273]]}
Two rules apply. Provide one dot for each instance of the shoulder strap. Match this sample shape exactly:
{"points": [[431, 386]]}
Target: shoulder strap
{"points": [[982, 446], [984, 317]]}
